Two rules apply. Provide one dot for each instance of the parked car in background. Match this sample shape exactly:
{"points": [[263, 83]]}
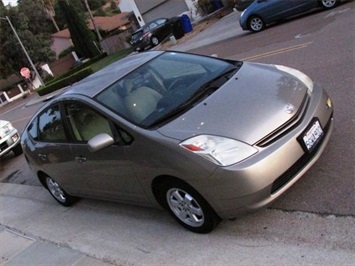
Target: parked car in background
{"points": [[203, 137], [151, 34], [263, 12], [9, 139]]}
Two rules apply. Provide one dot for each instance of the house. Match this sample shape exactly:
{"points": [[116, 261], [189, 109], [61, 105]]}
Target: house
{"points": [[61, 40], [149, 10]]}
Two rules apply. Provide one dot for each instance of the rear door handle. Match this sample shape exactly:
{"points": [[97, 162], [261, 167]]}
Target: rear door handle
{"points": [[80, 159]]}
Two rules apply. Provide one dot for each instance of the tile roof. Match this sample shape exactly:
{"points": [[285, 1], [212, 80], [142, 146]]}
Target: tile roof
{"points": [[103, 23], [110, 23]]}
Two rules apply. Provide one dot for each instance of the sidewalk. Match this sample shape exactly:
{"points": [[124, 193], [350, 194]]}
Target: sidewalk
{"points": [[19, 249], [35, 230]]}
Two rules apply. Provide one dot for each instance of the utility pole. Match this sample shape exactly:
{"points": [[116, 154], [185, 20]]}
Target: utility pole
{"points": [[93, 21], [24, 50]]}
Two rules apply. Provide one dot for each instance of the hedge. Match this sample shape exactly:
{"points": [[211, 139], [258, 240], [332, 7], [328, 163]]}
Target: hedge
{"points": [[64, 82], [78, 68]]}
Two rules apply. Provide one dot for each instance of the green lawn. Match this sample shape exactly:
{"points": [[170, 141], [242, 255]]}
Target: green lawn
{"points": [[110, 59]]}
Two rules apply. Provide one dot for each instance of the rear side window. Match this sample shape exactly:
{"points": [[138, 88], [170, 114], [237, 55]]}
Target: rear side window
{"points": [[50, 126]]}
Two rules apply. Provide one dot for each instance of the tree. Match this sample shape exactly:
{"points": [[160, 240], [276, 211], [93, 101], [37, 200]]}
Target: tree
{"points": [[34, 31], [82, 37]]}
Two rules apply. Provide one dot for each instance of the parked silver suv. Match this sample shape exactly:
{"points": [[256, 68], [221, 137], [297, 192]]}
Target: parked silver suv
{"points": [[9, 139]]}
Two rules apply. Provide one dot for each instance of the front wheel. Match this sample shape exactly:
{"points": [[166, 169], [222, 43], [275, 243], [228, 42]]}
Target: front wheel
{"points": [[58, 193], [327, 4], [154, 40], [256, 24], [188, 207]]}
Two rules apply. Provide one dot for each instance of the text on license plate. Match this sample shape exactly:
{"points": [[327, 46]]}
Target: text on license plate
{"points": [[312, 136]]}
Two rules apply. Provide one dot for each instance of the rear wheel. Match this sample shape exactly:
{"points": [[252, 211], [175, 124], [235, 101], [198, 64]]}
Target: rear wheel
{"points": [[255, 24], [154, 40], [187, 206], [58, 193], [327, 4]]}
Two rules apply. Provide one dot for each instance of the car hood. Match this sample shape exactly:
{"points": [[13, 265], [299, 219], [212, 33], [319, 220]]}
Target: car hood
{"points": [[3, 123], [255, 102]]}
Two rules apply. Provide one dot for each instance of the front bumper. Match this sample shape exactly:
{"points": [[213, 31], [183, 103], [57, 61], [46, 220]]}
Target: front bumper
{"points": [[9, 142], [259, 180]]}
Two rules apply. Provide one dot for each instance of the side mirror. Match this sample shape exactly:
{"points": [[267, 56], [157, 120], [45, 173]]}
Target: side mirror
{"points": [[100, 142]]}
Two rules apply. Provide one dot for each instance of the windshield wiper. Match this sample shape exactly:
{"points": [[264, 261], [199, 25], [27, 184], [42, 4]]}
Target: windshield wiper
{"points": [[206, 89], [212, 85]]}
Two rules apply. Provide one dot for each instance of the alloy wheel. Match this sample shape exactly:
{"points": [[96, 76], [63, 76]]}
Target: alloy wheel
{"points": [[256, 24], [155, 41], [329, 3], [185, 207], [55, 189]]}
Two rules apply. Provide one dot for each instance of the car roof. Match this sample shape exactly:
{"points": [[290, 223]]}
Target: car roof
{"points": [[147, 24], [95, 83]]}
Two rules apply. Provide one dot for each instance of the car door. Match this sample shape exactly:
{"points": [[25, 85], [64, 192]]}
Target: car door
{"points": [[273, 10], [164, 27], [107, 173], [304, 5], [49, 141]]}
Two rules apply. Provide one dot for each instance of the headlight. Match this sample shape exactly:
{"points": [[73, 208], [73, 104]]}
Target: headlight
{"points": [[298, 74], [219, 150]]}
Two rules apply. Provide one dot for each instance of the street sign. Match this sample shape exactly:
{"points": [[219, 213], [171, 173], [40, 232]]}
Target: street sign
{"points": [[25, 72]]}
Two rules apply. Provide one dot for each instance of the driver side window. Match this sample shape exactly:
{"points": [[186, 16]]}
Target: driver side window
{"points": [[85, 122]]}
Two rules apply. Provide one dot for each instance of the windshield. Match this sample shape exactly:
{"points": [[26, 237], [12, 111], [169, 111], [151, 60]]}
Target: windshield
{"points": [[136, 35], [165, 87]]}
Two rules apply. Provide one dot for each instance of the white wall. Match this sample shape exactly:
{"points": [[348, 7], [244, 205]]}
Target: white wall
{"points": [[129, 6]]}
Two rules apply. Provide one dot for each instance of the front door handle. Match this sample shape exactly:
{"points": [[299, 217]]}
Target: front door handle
{"points": [[80, 159], [42, 156]]}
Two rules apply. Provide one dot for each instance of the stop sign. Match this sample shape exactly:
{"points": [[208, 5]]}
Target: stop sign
{"points": [[25, 72]]}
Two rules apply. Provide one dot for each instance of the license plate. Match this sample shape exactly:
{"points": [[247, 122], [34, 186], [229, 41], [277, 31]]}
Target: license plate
{"points": [[312, 135]]}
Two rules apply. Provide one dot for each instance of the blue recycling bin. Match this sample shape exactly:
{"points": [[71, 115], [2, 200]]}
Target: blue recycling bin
{"points": [[186, 23]]}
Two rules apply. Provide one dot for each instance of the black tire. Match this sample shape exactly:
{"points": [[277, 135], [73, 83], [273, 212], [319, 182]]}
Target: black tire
{"points": [[187, 206], [154, 40], [58, 193], [256, 24], [328, 4], [17, 150]]}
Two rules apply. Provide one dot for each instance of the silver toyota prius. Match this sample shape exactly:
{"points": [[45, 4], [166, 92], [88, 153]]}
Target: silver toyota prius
{"points": [[205, 138]]}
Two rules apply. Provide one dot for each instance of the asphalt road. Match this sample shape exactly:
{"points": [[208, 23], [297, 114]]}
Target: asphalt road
{"points": [[321, 44]]}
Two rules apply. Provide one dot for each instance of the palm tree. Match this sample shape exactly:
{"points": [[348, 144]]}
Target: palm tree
{"points": [[49, 8]]}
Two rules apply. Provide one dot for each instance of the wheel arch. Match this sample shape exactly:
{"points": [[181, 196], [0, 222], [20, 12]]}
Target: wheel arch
{"points": [[42, 178], [160, 180]]}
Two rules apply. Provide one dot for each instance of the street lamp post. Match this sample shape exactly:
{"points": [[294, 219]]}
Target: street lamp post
{"points": [[24, 50]]}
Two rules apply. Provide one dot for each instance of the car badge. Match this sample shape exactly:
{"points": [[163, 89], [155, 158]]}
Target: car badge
{"points": [[289, 108]]}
